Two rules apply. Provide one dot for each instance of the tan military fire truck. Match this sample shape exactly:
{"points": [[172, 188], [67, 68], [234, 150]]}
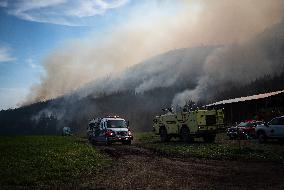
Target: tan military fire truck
{"points": [[188, 125]]}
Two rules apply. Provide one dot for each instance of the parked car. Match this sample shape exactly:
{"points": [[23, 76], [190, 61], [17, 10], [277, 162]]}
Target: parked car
{"points": [[274, 129], [244, 130], [66, 131]]}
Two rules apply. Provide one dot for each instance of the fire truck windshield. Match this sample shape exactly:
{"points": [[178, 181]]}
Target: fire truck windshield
{"points": [[116, 124]]}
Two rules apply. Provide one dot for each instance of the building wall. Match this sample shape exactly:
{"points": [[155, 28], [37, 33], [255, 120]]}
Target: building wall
{"points": [[260, 109]]}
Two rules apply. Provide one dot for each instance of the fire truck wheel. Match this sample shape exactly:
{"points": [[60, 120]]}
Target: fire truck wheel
{"points": [[185, 134], [163, 134], [261, 137], [209, 138], [93, 142], [127, 142]]}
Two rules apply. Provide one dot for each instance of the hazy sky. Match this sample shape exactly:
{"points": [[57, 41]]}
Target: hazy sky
{"points": [[56, 46], [29, 30]]}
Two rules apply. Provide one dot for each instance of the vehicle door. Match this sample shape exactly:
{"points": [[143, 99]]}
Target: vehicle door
{"points": [[171, 124], [274, 127], [281, 126], [101, 132], [250, 128], [96, 129], [90, 130]]}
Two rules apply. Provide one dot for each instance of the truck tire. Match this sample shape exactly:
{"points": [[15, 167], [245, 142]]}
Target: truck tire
{"points": [[93, 142], [261, 136], [89, 138], [163, 134], [209, 138], [128, 142], [185, 134]]}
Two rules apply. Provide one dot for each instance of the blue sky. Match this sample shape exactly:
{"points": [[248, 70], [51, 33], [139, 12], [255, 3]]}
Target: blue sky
{"points": [[29, 31]]}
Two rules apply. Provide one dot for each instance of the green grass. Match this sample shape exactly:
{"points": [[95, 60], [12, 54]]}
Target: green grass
{"points": [[146, 137], [41, 160], [221, 149]]}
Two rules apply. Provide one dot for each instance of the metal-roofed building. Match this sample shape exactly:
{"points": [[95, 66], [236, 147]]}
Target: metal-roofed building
{"points": [[261, 106]]}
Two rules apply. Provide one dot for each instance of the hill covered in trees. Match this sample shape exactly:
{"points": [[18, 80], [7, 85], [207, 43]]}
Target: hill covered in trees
{"points": [[201, 74], [41, 118]]}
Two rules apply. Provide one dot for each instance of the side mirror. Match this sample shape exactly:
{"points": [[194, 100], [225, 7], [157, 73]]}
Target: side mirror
{"points": [[127, 124]]}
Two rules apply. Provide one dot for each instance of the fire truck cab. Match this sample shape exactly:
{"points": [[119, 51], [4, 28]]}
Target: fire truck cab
{"points": [[108, 130]]}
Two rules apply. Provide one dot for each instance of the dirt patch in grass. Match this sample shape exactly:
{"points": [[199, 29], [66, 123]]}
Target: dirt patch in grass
{"points": [[222, 149], [140, 168]]}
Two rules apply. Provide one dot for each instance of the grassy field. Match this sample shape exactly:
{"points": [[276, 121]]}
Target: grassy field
{"points": [[247, 150], [43, 161], [49, 162]]}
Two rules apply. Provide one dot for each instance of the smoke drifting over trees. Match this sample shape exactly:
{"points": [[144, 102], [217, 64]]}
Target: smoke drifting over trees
{"points": [[198, 71], [201, 74], [166, 25], [190, 51]]}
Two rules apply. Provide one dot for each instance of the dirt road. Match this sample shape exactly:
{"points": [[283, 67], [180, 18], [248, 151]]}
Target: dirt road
{"points": [[139, 168]]}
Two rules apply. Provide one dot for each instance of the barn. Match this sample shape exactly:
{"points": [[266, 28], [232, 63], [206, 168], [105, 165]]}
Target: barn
{"points": [[258, 107]]}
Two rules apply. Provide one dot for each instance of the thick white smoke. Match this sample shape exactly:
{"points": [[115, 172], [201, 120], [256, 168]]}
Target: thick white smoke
{"points": [[156, 27], [238, 64]]}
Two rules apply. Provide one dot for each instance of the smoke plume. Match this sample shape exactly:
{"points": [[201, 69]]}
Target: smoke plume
{"points": [[118, 58], [239, 64]]}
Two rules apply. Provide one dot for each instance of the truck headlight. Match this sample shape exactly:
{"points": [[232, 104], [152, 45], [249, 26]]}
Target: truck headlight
{"points": [[129, 133]]}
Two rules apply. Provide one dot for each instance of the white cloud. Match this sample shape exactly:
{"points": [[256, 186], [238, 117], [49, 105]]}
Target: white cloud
{"points": [[12, 97], [92, 8], [64, 12], [31, 63], [5, 54]]}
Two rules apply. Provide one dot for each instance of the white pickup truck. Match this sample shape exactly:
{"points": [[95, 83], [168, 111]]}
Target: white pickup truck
{"points": [[274, 129]]}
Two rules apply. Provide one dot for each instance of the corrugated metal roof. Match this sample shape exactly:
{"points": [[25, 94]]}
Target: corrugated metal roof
{"points": [[247, 98]]}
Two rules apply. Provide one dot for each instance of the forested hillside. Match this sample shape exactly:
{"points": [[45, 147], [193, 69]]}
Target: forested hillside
{"points": [[202, 74]]}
